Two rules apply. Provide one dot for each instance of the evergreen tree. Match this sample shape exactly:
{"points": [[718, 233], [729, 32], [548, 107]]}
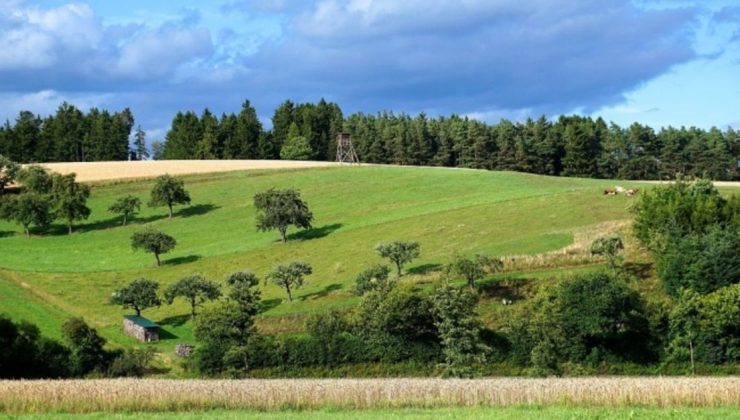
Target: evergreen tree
{"points": [[142, 153]]}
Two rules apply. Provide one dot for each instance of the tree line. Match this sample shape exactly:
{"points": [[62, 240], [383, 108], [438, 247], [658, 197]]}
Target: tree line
{"points": [[566, 146], [70, 135]]}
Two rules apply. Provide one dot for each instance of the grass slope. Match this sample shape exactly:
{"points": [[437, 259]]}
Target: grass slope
{"points": [[447, 211]]}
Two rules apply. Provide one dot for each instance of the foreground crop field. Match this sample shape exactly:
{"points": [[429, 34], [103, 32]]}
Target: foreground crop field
{"points": [[507, 413], [47, 278], [132, 395]]}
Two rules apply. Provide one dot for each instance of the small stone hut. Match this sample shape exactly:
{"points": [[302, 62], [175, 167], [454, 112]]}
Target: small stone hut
{"points": [[140, 328]]}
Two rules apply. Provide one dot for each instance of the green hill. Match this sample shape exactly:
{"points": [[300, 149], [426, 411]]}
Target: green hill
{"points": [[46, 278]]}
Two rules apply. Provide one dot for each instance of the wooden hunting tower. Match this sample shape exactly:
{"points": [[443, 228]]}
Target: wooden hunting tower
{"points": [[345, 150]]}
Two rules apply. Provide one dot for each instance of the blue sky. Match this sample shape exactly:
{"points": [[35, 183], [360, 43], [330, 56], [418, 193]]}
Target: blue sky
{"points": [[666, 62]]}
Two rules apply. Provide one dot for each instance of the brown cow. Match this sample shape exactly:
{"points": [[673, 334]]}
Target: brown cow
{"points": [[632, 192], [610, 191]]}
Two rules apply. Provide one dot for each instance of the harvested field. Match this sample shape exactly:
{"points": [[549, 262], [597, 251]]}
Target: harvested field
{"points": [[186, 395], [106, 171]]}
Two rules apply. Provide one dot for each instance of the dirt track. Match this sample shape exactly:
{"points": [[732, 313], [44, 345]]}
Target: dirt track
{"points": [[105, 171]]}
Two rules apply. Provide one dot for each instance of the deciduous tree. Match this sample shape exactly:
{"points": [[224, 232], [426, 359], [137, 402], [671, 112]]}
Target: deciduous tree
{"points": [[126, 206], [154, 241], [69, 199], [279, 209], [194, 288], [169, 191], [290, 276], [399, 252], [138, 295]]}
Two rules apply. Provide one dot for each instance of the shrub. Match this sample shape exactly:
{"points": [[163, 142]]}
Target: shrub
{"points": [[587, 318], [701, 262], [706, 328], [373, 278]]}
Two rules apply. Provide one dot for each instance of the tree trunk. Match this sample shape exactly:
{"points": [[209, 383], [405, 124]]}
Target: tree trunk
{"points": [[138, 311], [170, 208], [691, 352], [283, 234], [398, 268], [192, 308], [124, 219], [69, 228], [290, 297], [156, 255], [28, 231]]}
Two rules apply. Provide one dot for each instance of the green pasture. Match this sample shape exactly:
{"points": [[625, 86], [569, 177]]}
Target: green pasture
{"points": [[47, 277]]}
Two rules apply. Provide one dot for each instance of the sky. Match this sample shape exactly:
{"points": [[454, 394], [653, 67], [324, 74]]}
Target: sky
{"points": [[658, 62]]}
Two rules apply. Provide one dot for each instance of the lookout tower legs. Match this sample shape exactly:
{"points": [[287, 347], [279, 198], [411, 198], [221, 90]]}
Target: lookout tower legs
{"points": [[345, 150]]}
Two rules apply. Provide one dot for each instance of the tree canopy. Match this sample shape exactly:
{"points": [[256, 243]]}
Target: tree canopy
{"points": [[399, 252], [138, 295], [168, 191], [290, 276], [194, 288], [154, 241], [279, 209]]}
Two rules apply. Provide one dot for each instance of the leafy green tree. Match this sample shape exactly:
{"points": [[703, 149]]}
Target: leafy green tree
{"points": [[168, 191], [35, 179], [701, 262], [374, 278], [587, 318], [472, 269], [610, 247], [458, 329], [664, 213], [28, 209], [224, 331], [154, 241], [158, 150], [399, 252], [296, 146], [138, 295], [194, 288], [279, 209], [69, 199], [243, 290], [290, 276], [88, 353], [126, 206], [9, 171], [704, 328]]}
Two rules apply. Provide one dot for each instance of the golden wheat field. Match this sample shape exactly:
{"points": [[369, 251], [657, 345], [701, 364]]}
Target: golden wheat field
{"points": [[183, 395], [107, 171]]}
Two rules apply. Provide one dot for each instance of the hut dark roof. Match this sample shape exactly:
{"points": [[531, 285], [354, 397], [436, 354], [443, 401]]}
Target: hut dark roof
{"points": [[141, 321]]}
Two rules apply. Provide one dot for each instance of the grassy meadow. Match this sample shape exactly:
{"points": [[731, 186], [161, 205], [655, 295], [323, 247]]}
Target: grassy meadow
{"points": [[538, 219]]}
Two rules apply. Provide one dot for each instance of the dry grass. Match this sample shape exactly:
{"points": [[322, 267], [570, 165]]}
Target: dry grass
{"points": [[183, 395], [575, 254], [106, 171]]}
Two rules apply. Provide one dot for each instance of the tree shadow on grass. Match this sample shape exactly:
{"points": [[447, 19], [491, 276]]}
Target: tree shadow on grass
{"points": [[322, 293], [166, 335], [182, 260], [314, 233], [175, 321], [640, 270], [7, 233], [196, 210], [509, 288], [117, 221], [424, 268], [268, 304]]}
